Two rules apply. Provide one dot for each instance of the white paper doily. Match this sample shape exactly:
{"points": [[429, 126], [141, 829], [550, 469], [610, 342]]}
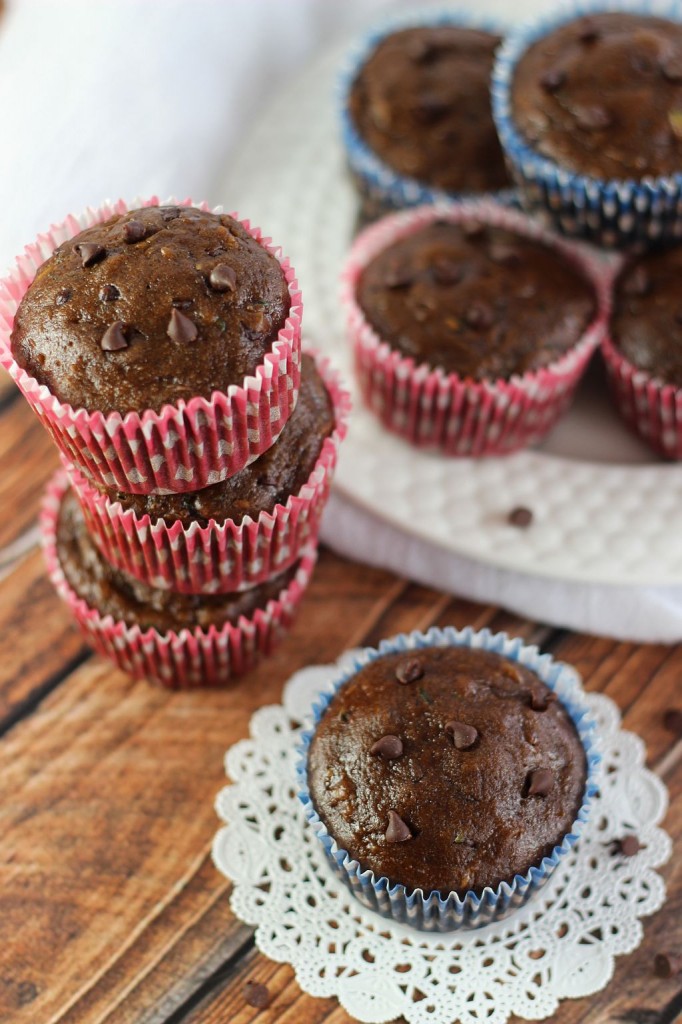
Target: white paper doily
{"points": [[561, 945], [603, 503]]}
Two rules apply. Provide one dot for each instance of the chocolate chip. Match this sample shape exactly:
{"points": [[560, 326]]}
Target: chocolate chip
{"points": [[672, 720], [540, 782], [63, 296], [628, 846], [446, 271], [181, 328], [169, 212], [636, 282], [667, 965], [504, 253], [520, 516], [398, 277], [593, 118], [397, 831], [389, 747], [409, 671], [223, 278], [109, 293], [463, 736], [480, 316], [588, 32], [134, 231], [553, 79], [421, 51], [90, 253], [114, 339], [671, 67], [540, 701], [256, 995]]}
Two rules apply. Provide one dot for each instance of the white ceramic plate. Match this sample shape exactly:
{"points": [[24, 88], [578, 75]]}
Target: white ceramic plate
{"points": [[605, 508]]}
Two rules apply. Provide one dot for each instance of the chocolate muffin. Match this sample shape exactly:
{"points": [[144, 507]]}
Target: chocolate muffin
{"points": [[263, 484], [475, 300], [151, 308], [421, 102], [114, 593], [447, 769], [602, 96], [646, 322]]}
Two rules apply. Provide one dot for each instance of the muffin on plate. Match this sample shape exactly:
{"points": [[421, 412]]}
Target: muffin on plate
{"points": [[447, 774], [417, 120], [643, 348], [471, 326], [588, 105]]}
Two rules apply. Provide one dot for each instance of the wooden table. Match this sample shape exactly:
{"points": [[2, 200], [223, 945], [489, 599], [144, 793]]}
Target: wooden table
{"points": [[102, 918]]}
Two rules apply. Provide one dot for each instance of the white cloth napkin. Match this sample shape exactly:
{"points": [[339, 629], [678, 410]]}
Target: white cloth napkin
{"points": [[135, 97]]}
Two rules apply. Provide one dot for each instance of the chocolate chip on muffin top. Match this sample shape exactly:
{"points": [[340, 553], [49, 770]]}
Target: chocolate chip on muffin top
{"points": [[446, 769], [150, 308]]}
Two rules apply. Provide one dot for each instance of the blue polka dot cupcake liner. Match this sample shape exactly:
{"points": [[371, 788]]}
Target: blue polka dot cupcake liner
{"points": [[610, 213], [382, 189], [434, 911]]}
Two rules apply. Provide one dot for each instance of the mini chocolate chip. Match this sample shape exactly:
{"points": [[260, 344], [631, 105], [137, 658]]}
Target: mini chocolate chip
{"points": [[181, 328], [409, 671], [134, 231], [520, 516], [667, 965], [672, 720], [223, 278], [63, 296], [90, 253], [398, 277], [504, 253], [671, 67], [463, 736], [540, 782], [628, 846], [541, 701], [553, 79], [109, 293], [397, 831], [389, 747], [636, 282], [480, 316], [446, 271], [114, 339], [588, 31], [256, 995], [592, 118]]}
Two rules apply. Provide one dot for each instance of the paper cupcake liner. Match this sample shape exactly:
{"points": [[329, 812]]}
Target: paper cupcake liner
{"points": [[607, 212], [431, 911], [183, 447], [188, 658], [381, 188], [434, 409], [651, 407], [222, 556]]}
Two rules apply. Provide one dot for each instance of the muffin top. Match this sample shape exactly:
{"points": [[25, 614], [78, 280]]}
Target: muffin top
{"points": [[422, 102], [113, 592], [477, 301], [150, 308], [646, 323], [446, 769], [280, 472], [602, 95]]}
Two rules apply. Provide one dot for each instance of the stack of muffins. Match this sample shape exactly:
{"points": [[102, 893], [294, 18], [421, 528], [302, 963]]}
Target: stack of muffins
{"points": [[584, 106], [161, 347]]}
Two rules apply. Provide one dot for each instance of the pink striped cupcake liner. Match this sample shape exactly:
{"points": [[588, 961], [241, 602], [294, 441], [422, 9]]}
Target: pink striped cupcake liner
{"points": [[653, 409], [190, 658], [186, 446], [222, 556], [442, 411]]}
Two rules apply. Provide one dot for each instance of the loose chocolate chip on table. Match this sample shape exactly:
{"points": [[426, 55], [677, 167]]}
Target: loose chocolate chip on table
{"points": [[397, 831], [463, 736], [592, 118], [667, 965], [90, 253], [520, 516], [223, 278], [181, 328], [628, 846], [636, 282], [109, 293], [540, 782], [114, 339], [256, 995], [389, 747], [479, 316], [672, 720], [447, 272], [409, 671], [134, 231], [553, 79], [63, 296]]}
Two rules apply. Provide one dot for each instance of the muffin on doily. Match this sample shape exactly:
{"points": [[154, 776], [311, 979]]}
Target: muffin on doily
{"points": [[471, 326], [417, 122], [447, 774], [588, 105]]}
